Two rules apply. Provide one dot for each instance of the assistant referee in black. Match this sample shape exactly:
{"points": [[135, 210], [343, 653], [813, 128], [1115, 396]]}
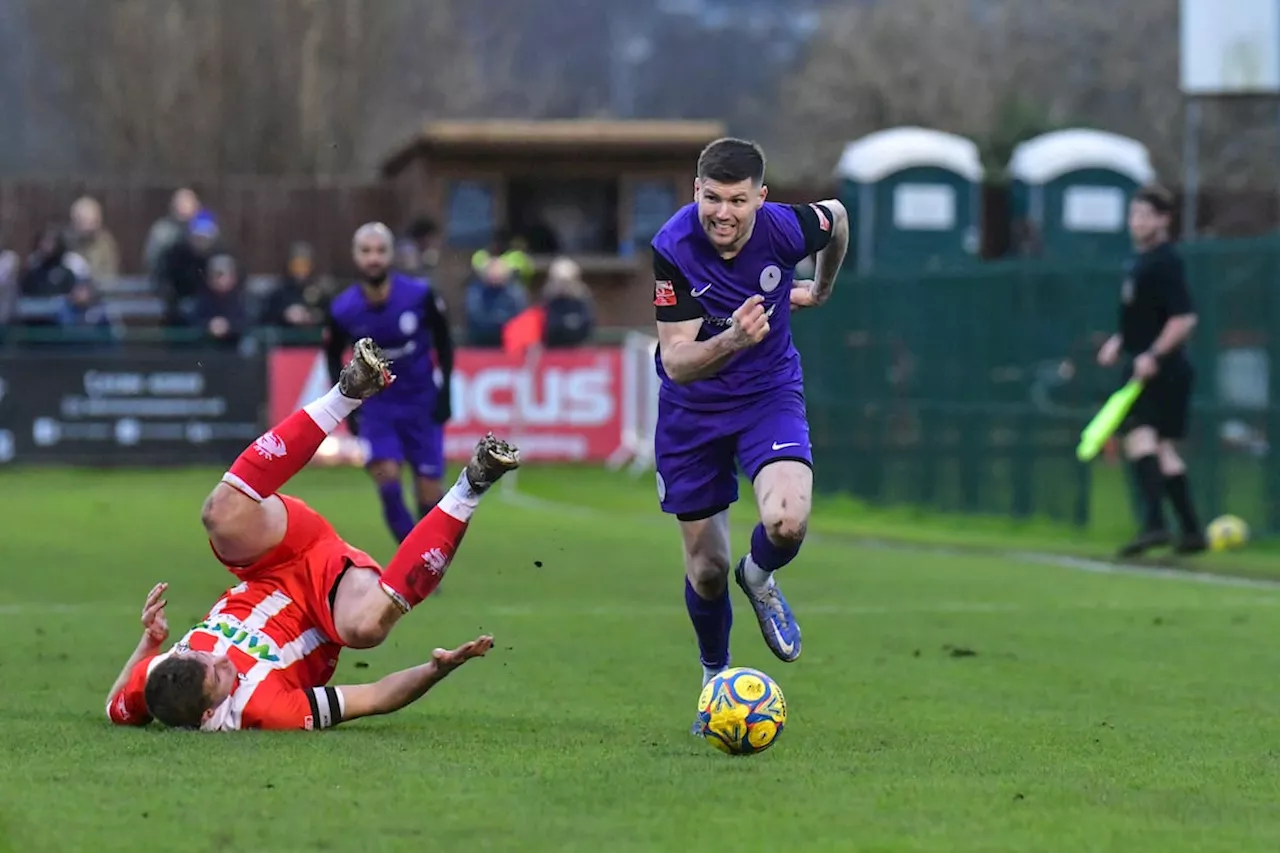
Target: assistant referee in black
{"points": [[1156, 319]]}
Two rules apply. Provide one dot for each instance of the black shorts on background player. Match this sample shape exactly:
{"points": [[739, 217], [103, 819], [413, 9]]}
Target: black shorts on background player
{"points": [[1165, 402]]}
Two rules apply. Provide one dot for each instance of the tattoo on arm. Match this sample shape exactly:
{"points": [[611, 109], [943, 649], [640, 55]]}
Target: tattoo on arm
{"points": [[830, 258]]}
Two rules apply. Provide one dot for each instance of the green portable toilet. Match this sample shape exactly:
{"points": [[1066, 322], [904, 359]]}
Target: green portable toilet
{"points": [[1071, 191], [914, 199]]}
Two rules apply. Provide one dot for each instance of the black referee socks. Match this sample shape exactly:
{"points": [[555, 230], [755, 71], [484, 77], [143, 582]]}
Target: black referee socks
{"points": [[1180, 496], [1152, 483]]}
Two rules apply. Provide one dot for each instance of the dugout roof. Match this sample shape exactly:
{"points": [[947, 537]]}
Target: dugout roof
{"points": [[451, 140]]}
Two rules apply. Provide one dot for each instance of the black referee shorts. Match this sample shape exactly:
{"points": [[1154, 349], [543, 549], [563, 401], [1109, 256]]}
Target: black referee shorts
{"points": [[1165, 403]]}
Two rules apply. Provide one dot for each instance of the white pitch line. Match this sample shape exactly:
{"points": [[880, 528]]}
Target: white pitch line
{"points": [[1084, 564], [941, 608], [1062, 561], [632, 611]]}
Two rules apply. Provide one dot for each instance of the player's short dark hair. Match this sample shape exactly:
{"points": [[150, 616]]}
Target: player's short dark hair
{"points": [[731, 161], [175, 692], [1160, 199]]}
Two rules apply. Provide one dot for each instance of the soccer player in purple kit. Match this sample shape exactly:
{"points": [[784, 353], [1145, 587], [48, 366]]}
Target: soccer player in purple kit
{"points": [[407, 320], [731, 385]]}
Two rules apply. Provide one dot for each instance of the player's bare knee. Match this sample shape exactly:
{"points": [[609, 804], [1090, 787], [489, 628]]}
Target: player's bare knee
{"points": [[367, 622], [708, 572], [786, 521], [364, 631], [787, 530], [363, 612], [429, 492], [1140, 442], [384, 472], [1171, 463], [221, 509]]}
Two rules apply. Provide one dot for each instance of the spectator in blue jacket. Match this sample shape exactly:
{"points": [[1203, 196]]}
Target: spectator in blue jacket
{"points": [[493, 298]]}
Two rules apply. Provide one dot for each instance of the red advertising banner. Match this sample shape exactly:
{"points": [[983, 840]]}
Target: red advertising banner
{"points": [[566, 406]]}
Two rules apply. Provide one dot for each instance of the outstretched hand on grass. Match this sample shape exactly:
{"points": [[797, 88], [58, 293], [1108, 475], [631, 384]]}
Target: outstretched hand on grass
{"points": [[450, 659], [155, 625]]}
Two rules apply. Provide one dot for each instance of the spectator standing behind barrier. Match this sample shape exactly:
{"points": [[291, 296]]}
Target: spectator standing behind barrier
{"points": [[93, 242], [170, 229], [493, 298], [566, 303], [562, 318], [511, 250], [296, 299], [220, 308], [180, 274]]}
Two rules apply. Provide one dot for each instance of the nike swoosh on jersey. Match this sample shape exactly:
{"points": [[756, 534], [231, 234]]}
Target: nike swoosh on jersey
{"points": [[777, 446], [702, 291]]}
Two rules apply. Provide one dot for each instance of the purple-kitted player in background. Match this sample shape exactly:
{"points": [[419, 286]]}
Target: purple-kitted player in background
{"points": [[405, 423], [731, 385]]}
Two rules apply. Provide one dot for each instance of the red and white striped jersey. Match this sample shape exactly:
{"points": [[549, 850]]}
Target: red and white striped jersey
{"points": [[284, 662]]}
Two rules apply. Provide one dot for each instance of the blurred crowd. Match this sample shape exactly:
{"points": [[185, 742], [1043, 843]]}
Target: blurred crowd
{"points": [[70, 281]]}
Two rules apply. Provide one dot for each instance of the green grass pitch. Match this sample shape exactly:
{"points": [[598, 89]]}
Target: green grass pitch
{"points": [[1096, 712]]}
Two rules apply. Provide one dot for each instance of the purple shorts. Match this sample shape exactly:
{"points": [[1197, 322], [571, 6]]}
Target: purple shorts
{"points": [[403, 432], [698, 454]]}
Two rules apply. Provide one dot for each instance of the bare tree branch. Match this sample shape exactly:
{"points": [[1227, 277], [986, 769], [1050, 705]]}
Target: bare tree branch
{"points": [[285, 86], [968, 68]]}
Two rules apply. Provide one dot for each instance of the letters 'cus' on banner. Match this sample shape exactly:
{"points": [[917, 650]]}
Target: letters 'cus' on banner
{"points": [[568, 406]]}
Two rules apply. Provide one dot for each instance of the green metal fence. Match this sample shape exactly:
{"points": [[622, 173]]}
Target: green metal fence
{"points": [[966, 391]]}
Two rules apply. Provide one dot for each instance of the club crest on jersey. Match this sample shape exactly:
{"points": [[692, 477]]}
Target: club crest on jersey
{"points": [[770, 277], [408, 323], [664, 294], [1126, 291], [270, 446]]}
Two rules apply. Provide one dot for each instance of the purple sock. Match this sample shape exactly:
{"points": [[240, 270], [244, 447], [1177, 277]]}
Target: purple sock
{"points": [[711, 621], [394, 512], [768, 556]]}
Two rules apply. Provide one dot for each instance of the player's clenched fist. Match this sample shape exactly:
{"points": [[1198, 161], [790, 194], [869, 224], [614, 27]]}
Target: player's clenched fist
{"points": [[750, 322]]}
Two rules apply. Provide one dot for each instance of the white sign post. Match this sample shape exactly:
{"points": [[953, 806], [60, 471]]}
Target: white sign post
{"points": [[1229, 48]]}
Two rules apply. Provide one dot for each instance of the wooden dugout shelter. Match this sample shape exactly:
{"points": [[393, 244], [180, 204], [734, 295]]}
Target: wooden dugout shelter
{"points": [[595, 190]]}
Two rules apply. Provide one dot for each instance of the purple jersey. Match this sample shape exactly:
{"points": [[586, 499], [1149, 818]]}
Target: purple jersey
{"points": [[693, 282], [405, 422], [402, 327], [706, 426]]}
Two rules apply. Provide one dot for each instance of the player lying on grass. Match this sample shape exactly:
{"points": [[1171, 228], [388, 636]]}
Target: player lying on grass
{"points": [[262, 656]]}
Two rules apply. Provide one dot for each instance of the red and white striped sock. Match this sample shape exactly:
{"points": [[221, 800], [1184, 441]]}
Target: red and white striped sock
{"points": [[285, 449]]}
